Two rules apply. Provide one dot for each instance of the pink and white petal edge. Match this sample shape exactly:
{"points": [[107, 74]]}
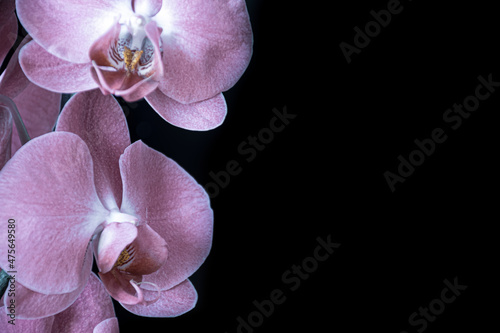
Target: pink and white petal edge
{"points": [[172, 302], [163, 195], [58, 220], [199, 116]]}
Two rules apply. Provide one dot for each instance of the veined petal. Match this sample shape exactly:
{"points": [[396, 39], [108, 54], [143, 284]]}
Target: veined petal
{"points": [[53, 73], [91, 308], [13, 81], [207, 45], [199, 116], [38, 107], [168, 199], [100, 51], [43, 325], [48, 190], [5, 136], [39, 110], [68, 28], [33, 305], [150, 252], [109, 325], [172, 302], [99, 121]]}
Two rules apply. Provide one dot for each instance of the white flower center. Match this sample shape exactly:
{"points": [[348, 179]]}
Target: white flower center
{"points": [[133, 51]]}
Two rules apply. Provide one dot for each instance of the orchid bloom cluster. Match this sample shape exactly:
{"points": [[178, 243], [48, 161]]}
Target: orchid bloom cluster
{"points": [[72, 180]]}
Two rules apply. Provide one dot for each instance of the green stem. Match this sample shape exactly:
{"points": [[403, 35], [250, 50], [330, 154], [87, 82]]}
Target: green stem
{"points": [[7, 103]]}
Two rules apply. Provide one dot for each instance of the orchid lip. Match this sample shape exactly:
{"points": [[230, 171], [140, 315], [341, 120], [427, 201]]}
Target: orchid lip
{"points": [[127, 59]]}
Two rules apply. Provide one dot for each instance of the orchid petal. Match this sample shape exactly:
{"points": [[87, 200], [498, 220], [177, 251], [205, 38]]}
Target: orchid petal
{"points": [[99, 51], [99, 121], [13, 81], [33, 305], [48, 189], [39, 110], [53, 73], [154, 35], [73, 25], [150, 252], [88, 312], [172, 302], [109, 325], [43, 325], [168, 199], [92, 310], [38, 107], [199, 116], [207, 45]]}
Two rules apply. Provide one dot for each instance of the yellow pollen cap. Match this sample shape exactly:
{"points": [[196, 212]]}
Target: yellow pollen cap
{"points": [[131, 58]]}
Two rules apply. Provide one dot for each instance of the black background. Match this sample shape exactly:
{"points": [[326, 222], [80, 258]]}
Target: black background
{"points": [[324, 173]]}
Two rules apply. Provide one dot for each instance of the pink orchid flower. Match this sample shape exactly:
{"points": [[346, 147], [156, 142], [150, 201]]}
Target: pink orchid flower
{"points": [[86, 190], [180, 55], [91, 312], [37, 107]]}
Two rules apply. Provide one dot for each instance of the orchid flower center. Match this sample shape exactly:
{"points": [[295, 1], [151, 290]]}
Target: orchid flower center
{"points": [[131, 59], [125, 258], [133, 51]]}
